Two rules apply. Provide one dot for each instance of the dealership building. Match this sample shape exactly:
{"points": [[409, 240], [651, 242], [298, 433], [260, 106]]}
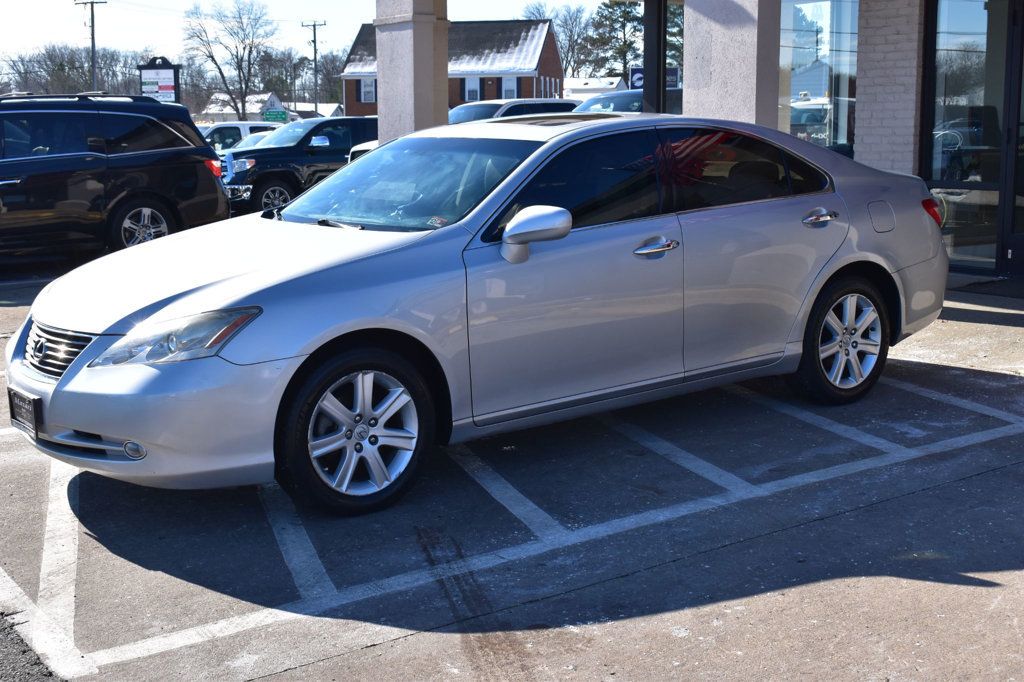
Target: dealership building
{"points": [[929, 87]]}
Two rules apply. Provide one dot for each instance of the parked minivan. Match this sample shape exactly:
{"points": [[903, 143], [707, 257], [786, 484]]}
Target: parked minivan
{"points": [[101, 170]]}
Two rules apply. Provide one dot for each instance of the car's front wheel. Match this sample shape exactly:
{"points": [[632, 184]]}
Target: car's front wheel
{"points": [[272, 193], [355, 431], [845, 344]]}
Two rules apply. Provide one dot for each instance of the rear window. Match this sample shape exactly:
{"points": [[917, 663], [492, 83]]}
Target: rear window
{"points": [[125, 134]]}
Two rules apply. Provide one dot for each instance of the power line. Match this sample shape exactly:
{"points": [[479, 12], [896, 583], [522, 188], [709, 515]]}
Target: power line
{"points": [[92, 30], [316, 96]]}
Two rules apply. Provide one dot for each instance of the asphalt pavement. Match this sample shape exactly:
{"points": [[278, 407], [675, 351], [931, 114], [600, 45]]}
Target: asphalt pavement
{"points": [[732, 533]]}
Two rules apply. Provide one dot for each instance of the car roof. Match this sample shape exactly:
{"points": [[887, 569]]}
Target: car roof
{"points": [[516, 100], [137, 104]]}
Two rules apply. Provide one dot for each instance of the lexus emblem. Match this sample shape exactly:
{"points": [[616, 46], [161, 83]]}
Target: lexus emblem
{"points": [[39, 348]]}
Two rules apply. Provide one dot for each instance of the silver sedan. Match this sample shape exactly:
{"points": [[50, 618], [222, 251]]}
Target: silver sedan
{"points": [[468, 280]]}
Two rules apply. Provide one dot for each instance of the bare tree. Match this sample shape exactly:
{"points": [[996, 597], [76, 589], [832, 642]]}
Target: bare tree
{"points": [[537, 10], [231, 40], [572, 26]]}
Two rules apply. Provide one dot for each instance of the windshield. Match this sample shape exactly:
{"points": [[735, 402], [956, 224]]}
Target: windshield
{"points": [[287, 135], [619, 101], [472, 112], [251, 140], [417, 183]]}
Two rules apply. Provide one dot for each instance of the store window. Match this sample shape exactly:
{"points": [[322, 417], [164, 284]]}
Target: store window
{"points": [[509, 87], [818, 71], [965, 166]]}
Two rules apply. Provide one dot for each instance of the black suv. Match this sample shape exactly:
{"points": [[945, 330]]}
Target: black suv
{"points": [[292, 159], [92, 170]]}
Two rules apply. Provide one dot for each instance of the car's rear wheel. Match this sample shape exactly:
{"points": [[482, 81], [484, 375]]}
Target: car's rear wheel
{"points": [[846, 343], [138, 221], [355, 431], [272, 193]]}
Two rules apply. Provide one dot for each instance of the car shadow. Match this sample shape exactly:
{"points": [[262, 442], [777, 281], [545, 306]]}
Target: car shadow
{"points": [[943, 519]]}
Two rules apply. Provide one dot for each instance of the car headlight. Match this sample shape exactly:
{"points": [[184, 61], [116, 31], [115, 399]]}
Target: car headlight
{"points": [[242, 165], [186, 338]]}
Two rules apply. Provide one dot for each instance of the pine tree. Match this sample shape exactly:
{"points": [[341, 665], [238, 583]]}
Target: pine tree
{"points": [[616, 37]]}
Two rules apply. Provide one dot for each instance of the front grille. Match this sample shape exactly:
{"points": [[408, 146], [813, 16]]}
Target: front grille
{"points": [[50, 351]]}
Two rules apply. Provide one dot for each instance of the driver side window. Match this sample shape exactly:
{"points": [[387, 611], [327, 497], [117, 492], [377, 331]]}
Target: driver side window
{"points": [[605, 180]]}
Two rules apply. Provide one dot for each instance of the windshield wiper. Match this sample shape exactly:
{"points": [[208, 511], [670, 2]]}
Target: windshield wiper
{"points": [[327, 222]]}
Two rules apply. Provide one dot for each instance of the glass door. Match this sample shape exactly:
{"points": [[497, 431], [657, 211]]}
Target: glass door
{"points": [[1013, 253]]}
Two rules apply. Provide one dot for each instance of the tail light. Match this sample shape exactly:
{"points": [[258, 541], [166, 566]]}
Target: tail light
{"points": [[931, 207], [214, 167]]}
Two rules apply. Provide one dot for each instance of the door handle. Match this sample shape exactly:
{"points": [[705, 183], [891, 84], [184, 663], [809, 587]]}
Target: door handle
{"points": [[656, 248], [11, 181], [819, 217]]}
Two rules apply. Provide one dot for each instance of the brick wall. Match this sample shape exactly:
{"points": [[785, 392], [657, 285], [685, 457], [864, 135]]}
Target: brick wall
{"points": [[889, 67], [353, 107]]}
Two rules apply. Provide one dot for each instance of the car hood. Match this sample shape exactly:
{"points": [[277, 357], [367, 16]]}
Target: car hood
{"points": [[206, 268]]}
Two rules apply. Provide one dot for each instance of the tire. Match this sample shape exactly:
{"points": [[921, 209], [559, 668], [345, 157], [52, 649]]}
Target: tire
{"points": [[340, 477], [833, 379], [137, 221], [271, 193]]}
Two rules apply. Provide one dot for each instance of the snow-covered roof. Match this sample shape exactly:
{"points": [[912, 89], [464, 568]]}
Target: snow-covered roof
{"points": [[220, 103], [474, 48], [325, 109]]}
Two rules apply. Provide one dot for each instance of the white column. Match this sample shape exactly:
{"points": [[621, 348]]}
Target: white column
{"points": [[889, 67], [412, 65], [731, 60]]}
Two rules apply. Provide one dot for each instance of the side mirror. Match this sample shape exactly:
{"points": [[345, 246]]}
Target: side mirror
{"points": [[320, 141], [533, 224]]}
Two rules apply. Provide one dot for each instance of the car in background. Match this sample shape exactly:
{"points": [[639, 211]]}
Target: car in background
{"points": [[362, 148], [248, 141], [500, 108], [87, 171], [224, 136], [291, 159], [629, 101], [464, 281]]}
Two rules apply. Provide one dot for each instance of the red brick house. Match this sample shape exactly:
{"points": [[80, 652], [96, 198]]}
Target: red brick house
{"points": [[486, 60]]}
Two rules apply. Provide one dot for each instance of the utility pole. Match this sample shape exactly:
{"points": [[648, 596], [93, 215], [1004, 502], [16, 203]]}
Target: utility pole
{"points": [[92, 30], [316, 86]]}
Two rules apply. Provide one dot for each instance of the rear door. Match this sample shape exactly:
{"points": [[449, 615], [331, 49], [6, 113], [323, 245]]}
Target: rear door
{"points": [[749, 257], [51, 179]]}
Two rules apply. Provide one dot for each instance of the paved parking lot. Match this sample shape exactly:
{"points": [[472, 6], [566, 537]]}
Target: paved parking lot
{"points": [[729, 533]]}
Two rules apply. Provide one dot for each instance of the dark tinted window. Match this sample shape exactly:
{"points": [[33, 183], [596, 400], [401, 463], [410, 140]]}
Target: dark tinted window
{"points": [[537, 108], [364, 130], [125, 134], [259, 129], [339, 135], [27, 135], [704, 168], [187, 131], [605, 180], [517, 110], [803, 177]]}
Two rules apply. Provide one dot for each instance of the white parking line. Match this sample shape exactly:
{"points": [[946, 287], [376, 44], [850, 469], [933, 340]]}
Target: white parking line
{"points": [[413, 579], [813, 419], [677, 455], [300, 556], [953, 400], [532, 516], [45, 637], [59, 565]]}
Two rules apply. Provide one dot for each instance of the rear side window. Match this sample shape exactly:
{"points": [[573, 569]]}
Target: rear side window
{"points": [[803, 177], [225, 137], [127, 134], [605, 180], [259, 129], [187, 131], [707, 168], [47, 134]]}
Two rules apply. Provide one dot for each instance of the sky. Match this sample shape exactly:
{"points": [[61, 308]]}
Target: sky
{"points": [[156, 25]]}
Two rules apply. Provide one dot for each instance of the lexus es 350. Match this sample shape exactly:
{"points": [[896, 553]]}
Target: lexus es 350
{"points": [[473, 279]]}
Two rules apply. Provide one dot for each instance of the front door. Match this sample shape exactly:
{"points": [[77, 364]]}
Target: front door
{"points": [[586, 313], [1014, 252], [51, 179]]}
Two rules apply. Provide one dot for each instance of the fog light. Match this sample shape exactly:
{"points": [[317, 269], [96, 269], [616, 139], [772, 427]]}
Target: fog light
{"points": [[134, 450]]}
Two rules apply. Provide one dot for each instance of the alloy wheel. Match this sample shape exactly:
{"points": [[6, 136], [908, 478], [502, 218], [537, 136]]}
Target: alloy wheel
{"points": [[850, 341], [363, 433], [142, 225], [275, 196]]}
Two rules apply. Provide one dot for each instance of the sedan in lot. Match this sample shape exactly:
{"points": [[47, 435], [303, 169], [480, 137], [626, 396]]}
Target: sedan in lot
{"points": [[473, 279]]}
